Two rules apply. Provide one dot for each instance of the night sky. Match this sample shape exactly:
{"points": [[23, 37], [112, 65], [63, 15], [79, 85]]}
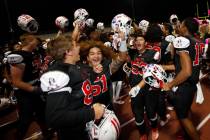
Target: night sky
{"points": [[45, 11]]}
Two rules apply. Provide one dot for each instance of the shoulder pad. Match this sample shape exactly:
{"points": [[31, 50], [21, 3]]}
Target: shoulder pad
{"points": [[181, 42], [169, 38], [14, 59], [54, 80]]}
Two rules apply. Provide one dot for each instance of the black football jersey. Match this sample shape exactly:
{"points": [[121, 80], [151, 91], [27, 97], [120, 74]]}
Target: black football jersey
{"points": [[138, 62], [195, 50], [101, 85], [71, 110], [79, 81], [165, 56], [31, 63]]}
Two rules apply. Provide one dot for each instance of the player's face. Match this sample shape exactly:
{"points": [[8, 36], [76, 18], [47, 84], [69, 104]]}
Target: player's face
{"points": [[94, 56], [139, 43], [182, 29], [33, 42], [164, 30]]}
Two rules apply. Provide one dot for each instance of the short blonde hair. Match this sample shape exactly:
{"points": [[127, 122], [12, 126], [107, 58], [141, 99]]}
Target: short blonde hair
{"points": [[25, 39], [57, 47]]}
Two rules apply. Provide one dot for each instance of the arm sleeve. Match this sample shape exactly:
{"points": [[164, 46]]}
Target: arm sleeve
{"points": [[62, 113]]}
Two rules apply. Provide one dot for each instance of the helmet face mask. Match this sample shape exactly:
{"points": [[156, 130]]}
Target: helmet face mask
{"points": [[174, 20], [32, 26]]}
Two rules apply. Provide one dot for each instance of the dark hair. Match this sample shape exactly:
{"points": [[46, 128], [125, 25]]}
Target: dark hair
{"points": [[138, 33], [191, 24], [154, 33], [85, 47], [27, 38], [168, 27], [104, 37]]}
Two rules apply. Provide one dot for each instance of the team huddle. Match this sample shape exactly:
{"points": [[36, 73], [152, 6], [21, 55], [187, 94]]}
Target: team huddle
{"points": [[71, 81]]}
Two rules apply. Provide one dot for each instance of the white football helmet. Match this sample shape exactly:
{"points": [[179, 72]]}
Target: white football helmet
{"points": [[89, 22], [107, 129], [100, 26], [154, 75], [80, 14], [61, 22], [27, 23], [143, 25], [121, 22], [173, 19], [108, 44]]}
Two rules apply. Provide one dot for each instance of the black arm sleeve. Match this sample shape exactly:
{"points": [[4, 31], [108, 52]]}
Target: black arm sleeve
{"points": [[62, 113]]}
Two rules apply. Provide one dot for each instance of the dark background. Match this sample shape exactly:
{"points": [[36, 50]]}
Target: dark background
{"points": [[45, 12]]}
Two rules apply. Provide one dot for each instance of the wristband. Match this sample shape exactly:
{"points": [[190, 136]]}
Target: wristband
{"points": [[123, 46]]}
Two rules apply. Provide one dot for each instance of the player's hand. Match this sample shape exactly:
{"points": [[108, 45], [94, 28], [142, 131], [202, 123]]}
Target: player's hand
{"points": [[166, 87], [99, 110], [134, 91], [37, 90], [122, 35], [98, 68]]}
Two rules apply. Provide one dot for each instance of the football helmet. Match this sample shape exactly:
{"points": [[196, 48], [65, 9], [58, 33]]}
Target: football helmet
{"points": [[108, 44], [173, 19], [143, 25], [100, 26], [107, 129], [80, 14], [27, 23], [61, 22], [154, 75], [121, 22], [89, 22]]}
